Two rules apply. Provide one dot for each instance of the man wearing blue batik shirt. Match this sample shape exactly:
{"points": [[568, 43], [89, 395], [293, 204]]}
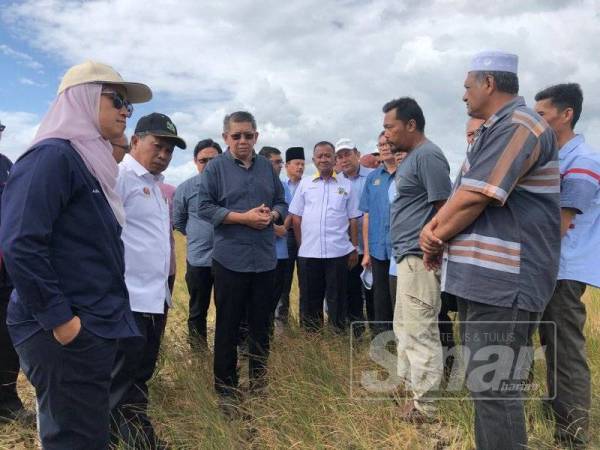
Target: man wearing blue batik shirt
{"points": [[564, 318]]}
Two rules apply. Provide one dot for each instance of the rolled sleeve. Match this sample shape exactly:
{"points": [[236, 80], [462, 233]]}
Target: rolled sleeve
{"points": [[208, 207], [509, 153]]}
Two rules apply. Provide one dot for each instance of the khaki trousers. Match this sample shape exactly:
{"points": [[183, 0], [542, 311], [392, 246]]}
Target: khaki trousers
{"points": [[416, 312]]}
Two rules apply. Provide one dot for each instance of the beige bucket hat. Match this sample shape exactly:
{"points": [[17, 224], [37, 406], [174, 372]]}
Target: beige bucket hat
{"points": [[95, 72]]}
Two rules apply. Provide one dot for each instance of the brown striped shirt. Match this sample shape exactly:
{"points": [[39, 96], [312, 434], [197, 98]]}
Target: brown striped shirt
{"points": [[510, 253]]}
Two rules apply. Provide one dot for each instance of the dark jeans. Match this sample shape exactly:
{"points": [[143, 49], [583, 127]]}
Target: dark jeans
{"points": [[278, 285], [446, 328], [382, 299], [199, 282], [283, 307], [238, 295], [494, 344], [72, 385], [319, 279], [572, 392], [9, 362], [358, 298], [133, 368]]}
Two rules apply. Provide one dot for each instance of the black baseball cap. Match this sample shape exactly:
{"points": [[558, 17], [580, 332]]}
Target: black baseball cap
{"points": [[159, 125]]}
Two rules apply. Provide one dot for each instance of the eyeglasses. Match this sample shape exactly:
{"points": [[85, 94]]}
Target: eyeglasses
{"points": [[204, 160], [279, 162], [238, 136], [119, 102]]}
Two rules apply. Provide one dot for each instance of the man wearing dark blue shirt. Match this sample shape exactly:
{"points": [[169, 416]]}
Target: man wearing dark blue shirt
{"points": [[11, 407], [242, 197]]}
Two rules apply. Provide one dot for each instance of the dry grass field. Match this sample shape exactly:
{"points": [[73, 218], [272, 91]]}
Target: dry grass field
{"points": [[308, 405]]}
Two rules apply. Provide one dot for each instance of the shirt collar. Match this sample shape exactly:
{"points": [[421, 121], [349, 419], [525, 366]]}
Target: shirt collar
{"points": [[508, 108], [359, 173], [239, 162], [575, 142], [317, 176], [132, 163]]}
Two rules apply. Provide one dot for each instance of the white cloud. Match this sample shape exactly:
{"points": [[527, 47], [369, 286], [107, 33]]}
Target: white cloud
{"points": [[30, 82], [19, 133], [20, 57], [315, 70]]}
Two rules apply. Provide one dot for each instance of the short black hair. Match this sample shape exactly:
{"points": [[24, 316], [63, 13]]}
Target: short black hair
{"points": [[507, 82], [206, 143], [407, 109], [565, 95], [329, 144], [238, 117], [267, 151]]}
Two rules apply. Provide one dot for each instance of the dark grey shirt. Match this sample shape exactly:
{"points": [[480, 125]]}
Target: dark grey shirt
{"points": [[422, 179], [199, 232], [226, 187]]}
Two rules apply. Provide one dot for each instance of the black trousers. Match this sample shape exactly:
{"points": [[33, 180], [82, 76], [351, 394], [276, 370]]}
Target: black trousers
{"points": [[566, 356], [382, 298], [199, 282], [239, 295], [72, 385], [9, 362], [283, 306], [359, 299], [494, 337], [324, 278], [279, 282], [133, 368]]}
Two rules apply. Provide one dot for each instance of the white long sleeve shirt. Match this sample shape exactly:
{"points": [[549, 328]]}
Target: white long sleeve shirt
{"points": [[146, 237]]}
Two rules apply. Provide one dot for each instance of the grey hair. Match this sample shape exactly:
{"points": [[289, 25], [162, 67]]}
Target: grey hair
{"points": [[238, 116]]}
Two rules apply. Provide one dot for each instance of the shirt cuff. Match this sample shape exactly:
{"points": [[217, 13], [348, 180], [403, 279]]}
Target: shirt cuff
{"points": [[54, 316], [219, 216]]}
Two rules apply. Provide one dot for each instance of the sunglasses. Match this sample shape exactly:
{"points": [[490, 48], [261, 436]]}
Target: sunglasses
{"points": [[238, 136], [119, 102], [204, 160], [2, 128]]}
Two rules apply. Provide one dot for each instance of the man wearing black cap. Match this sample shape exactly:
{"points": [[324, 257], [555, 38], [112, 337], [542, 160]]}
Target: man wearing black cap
{"points": [[146, 237], [294, 167]]}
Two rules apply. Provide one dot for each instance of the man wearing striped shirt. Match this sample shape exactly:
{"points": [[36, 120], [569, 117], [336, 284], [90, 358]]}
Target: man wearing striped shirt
{"points": [[501, 229]]}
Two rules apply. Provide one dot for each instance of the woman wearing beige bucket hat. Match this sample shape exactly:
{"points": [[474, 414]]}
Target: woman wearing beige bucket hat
{"points": [[60, 237]]}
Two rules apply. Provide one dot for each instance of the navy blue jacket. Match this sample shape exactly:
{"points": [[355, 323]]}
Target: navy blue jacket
{"points": [[5, 166], [62, 247]]}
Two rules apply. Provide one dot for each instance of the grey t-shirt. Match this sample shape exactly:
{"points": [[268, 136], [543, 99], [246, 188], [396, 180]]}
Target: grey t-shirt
{"points": [[422, 179]]}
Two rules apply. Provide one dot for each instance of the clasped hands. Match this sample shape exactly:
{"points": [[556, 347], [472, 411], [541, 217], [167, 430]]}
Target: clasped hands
{"points": [[432, 246], [260, 217]]}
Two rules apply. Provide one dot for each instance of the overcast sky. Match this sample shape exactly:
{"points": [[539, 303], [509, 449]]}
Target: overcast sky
{"points": [[309, 70]]}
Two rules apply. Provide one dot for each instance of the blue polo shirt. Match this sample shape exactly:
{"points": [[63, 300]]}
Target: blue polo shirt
{"points": [[375, 202], [580, 190], [62, 247]]}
